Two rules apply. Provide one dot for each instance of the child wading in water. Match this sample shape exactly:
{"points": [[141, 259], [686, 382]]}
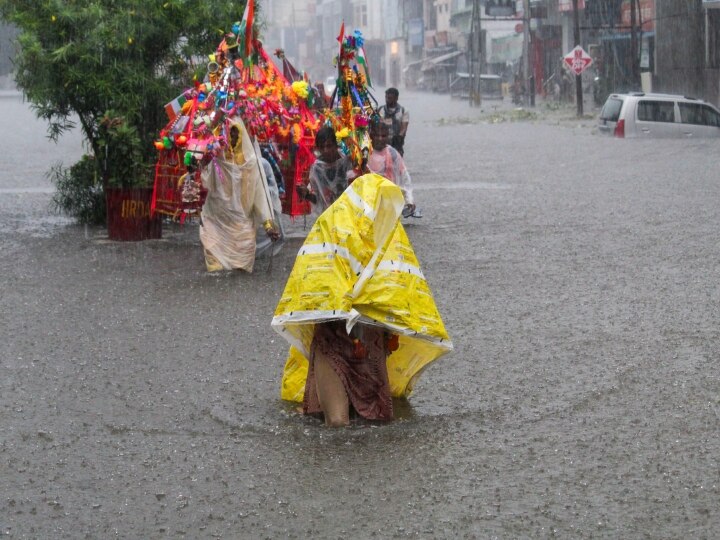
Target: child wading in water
{"points": [[328, 175], [386, 161]]}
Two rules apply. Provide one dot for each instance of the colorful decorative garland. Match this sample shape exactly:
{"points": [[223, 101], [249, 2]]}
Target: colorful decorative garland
{"points": [[352, 104], [277, 112]]}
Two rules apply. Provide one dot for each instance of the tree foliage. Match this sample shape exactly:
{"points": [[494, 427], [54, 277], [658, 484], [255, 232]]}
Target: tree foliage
{"points": [[111, 65]]}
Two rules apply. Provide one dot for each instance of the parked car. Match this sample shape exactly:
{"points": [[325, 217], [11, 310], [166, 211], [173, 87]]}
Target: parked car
{"points": [[658, 115]]}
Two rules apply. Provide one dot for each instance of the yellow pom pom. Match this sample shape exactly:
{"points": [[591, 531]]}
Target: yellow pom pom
{"points": [[301, 89]]}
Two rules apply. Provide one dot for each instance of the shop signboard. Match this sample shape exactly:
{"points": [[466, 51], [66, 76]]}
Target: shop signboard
{"points": [[646, 15], [500, 8], [506, 49]]}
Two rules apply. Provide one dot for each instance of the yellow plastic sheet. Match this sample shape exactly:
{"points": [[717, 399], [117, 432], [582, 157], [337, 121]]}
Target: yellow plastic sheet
{"points": [[357, 265]]}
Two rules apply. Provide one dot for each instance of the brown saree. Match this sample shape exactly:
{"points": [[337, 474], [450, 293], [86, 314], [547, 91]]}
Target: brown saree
{"points": [[360, 361]]}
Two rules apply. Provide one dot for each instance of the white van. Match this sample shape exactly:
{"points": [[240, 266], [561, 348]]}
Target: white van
{"points": [[658, 115]]}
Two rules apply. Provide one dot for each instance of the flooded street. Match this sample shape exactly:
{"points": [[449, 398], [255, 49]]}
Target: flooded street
{"points": [[578, 276]]}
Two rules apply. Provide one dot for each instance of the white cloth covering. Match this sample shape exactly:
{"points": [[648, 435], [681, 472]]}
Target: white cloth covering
{"points": [[265, 246], [390, 164], [238, 201]]}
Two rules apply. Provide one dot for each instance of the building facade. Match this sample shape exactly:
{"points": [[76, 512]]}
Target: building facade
{"points": [[289, 25], [668, 46], [650, 45]]}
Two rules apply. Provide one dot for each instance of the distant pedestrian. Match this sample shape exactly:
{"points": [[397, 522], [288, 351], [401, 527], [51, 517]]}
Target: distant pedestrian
{"points": [[266, 245], [270, 155], [396, 117]]}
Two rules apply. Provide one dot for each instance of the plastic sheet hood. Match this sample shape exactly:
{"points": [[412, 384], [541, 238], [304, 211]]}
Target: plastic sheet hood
{"points": [[357, 264]]}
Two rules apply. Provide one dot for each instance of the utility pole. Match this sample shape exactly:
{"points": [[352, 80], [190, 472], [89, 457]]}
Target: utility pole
{"points": [[578, 78], [475, 96], [526, 48], [634, 69]]}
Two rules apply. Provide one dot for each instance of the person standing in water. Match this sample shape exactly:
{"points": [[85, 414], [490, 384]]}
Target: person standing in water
{"points": [[387, 162], [238, 200], [397, 119], [329, 175]]}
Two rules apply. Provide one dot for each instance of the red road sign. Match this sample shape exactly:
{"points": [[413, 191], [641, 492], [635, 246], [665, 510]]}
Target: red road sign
{"points": [[577, 60]]}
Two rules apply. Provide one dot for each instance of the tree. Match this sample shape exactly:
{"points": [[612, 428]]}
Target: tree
{"points": [[110, 66]]}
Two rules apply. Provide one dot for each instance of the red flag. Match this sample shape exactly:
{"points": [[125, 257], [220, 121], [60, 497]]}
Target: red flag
{"points": [[247, 23], [341, 36], [289, 71]]}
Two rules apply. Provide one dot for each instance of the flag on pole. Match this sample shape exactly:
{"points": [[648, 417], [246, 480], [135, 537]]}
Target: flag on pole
{"points": [[247, 24], [289, 71], [363, 65], [341, 36], [173, 108]]}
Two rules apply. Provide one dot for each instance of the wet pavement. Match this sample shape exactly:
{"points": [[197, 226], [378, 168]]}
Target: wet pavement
{"points": [[578, 276]]}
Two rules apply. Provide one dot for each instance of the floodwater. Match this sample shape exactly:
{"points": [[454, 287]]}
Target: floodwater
{"points": [[27, 153], [577, 275]]}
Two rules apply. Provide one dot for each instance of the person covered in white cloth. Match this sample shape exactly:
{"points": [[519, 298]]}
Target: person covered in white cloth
{"points": [[238, 201], [266, 245]]}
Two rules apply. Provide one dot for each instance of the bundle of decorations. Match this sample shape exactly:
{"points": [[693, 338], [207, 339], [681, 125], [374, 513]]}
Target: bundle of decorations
{"points": [[241, 82], [352, 103], [285, 113]]}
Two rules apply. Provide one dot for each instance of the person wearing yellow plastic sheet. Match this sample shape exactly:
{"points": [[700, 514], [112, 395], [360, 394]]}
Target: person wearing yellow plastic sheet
{"points": [[238, 200], [356, 309]]}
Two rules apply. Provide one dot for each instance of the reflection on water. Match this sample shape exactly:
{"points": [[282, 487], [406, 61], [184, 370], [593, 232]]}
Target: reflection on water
{"points": [[27, 153]]}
